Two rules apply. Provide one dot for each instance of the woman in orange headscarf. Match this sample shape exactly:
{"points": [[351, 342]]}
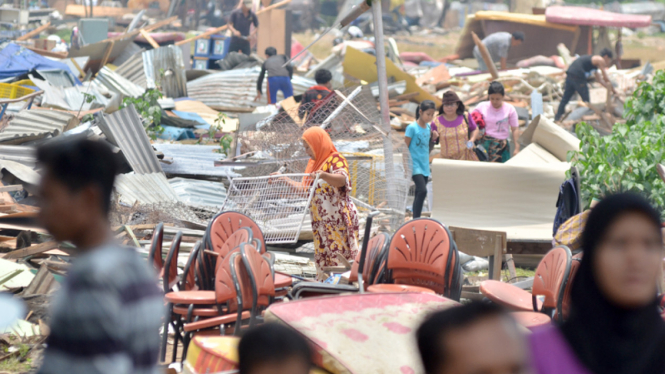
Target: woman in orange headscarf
{"points": [[334, 216]]}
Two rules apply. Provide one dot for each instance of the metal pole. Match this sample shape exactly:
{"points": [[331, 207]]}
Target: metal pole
{"points": [[338, 110], [382, 79]]}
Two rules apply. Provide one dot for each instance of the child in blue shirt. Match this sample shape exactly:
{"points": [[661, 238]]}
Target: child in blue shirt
{"points": [[417, 138]]}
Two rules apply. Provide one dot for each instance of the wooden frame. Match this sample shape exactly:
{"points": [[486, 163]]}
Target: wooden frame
{"points": [[482, 243]]}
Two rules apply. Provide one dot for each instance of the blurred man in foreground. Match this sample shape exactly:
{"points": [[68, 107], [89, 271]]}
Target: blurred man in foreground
{"points": [[106, 316], [476, 338]]}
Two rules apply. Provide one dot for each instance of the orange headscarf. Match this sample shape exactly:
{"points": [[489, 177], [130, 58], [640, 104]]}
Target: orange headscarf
{"points": [[323, 147]]}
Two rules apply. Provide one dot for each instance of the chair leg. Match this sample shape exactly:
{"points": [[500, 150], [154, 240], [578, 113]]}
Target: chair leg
{"points": [[165, 337], [177, 337], [185, 346]]}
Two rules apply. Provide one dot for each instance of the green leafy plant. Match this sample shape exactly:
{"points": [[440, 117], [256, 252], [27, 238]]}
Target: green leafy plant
{"points": [[149, 109], [225, 143], [626, 159]]}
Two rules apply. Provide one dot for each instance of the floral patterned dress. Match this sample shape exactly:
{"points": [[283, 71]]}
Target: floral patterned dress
{"points": [[453, 142], [334, 217]]}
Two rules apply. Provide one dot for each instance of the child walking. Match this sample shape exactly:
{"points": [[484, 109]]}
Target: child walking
{"points": [[417, 138]]}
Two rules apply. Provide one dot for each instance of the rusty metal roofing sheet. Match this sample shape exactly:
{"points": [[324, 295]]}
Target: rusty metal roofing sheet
{"points": [[195, 192], [193, 160], [144, 189], [236, 88], [164, 67], [115, 82], [35, 124], [125, 129], [133, 71]]}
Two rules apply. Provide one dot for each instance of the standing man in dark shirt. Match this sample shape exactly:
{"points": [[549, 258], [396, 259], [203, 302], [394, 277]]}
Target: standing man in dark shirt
{"points": [[312, 97], [279, 76], [239, 23], [576, 78]]}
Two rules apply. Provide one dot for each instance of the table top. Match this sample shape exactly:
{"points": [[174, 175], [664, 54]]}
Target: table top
{"points": [[362, 333]]}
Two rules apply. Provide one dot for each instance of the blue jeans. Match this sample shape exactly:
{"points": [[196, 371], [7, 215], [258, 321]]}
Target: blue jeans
{"points": [[279, 84]]}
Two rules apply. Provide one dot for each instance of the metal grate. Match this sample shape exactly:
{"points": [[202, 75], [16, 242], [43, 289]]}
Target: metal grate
{"points": [[273, 203], [351, 118]]}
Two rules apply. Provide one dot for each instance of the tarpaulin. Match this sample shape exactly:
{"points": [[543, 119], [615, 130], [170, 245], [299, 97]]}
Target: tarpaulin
{"points": [[16, 60]]}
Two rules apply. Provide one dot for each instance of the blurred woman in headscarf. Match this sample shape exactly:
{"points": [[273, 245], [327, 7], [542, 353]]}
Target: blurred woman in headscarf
{"points": [[615, 326], [334, 216]]}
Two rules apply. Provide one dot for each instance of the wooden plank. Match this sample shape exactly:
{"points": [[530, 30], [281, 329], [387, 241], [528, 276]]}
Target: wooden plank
{"points": [[149, 38], [80, 11], [107, 53], [528, 247], [46, 53], [13, 187], [204, 35], [148, 28], [34, 32], [481, 243], [32, 250], [486, 56]]}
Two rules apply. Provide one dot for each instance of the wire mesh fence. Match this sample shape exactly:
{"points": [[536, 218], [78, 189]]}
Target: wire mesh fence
{"points": [[352, 119], [278, 204]]}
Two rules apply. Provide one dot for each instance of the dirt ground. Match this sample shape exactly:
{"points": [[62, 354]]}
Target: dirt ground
{"points": [[646, 48]]}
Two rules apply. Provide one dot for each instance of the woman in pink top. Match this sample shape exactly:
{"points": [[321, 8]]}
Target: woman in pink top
{"points": [[615, 326], [500, 120]]}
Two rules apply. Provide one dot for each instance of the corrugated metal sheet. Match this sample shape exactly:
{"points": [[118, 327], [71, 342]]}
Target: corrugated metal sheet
{"points": [[164, 67], [125, 129], [35, 124], [199, 193], [132, 69], [115, 82], [236, 88], [127, 53], [145, 189], [19, 153], [193, 160], [58, 78]]}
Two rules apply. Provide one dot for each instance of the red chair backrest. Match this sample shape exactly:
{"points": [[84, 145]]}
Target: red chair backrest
{"points": [[239, 236], [169, 273], [155, 256], [225, 224], [420, 254], [551, 277], [374, 247], [226, 286], [574, 266], [259, 276], [188, 281]]}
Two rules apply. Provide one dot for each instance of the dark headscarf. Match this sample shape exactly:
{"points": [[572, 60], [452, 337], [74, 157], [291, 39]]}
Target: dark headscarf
{"points": [[606, 338]]}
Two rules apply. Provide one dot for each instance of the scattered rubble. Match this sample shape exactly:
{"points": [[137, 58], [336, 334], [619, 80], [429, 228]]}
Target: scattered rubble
{"points": [[181, 112]]}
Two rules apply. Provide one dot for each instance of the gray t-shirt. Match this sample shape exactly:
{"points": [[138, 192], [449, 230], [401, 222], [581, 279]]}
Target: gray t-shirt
{"points": [[497, 45]]}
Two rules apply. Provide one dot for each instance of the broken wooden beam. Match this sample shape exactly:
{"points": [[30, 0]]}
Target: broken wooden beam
{"points": [[487, 58], [32, 250], [34, 32]]}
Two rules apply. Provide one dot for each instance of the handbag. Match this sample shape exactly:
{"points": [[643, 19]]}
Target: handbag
{"points": [[481, 153]]}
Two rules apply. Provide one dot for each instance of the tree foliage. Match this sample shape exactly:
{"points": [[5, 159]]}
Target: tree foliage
{"points": [[626, 159]]}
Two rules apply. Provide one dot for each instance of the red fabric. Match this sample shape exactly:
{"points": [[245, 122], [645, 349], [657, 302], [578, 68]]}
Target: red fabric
{"points": [[478, 119]]}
